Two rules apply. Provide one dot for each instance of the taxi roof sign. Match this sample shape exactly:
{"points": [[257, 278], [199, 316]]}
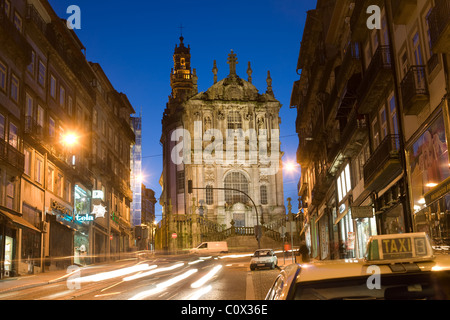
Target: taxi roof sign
{"points": [[395, 248]]}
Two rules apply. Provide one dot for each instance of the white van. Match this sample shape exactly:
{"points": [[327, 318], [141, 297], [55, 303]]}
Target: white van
{"points": [[211, 248]]}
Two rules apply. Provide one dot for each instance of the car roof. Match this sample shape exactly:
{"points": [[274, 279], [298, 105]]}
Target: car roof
{"points": [[336, 269]]}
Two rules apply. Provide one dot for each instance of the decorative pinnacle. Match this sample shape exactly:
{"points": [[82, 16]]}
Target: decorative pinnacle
{"points": [[232, 61], [249, 72], [215, 70]]}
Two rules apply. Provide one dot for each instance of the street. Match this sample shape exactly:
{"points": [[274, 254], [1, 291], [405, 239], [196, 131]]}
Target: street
{"points": [[184, 277]]}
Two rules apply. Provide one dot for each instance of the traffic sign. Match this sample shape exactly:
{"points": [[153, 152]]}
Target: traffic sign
{"points": [[174, 235]]}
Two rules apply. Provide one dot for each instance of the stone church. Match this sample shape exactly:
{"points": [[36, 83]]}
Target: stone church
{"points": [[226, 140]]}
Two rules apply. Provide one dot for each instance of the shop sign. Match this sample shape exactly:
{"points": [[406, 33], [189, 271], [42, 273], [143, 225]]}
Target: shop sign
{"points": [[97, 194], [55, 205], [99, 211], [362, 212], [84, 217], [442, 189]]}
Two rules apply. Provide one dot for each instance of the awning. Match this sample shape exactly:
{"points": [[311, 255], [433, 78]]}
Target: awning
{"points": [[19, 220]]}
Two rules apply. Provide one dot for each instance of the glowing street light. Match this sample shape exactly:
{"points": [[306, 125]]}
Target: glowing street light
{"points": [[69, 139], [290, 167]]}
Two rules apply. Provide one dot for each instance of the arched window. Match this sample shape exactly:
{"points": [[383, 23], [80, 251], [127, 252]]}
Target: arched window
{"points": [[236, 180], [263, 194], [209, 195]]}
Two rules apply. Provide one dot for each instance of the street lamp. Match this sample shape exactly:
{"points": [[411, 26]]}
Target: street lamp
{"points": [[290, 167], [69, 139]]}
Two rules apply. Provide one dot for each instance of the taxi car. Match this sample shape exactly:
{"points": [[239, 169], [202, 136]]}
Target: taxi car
{"points": [[400, 266], [263, 258]]}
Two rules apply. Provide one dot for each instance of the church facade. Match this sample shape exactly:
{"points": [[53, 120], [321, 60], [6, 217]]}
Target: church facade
{"points": [[226, 140]]}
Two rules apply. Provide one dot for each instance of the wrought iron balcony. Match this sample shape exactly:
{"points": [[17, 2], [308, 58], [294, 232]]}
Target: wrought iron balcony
{"points": [[12, 156], [402, 10], [384, 164], [12, 38], [353, 135], [33, 129], [439, 23], [415, 93], [15, 158], [350, 62], [320, 188], [377, 78], [34, 17]]}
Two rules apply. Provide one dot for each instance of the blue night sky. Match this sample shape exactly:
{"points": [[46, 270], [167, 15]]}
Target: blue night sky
{"points": [[134, 42]]}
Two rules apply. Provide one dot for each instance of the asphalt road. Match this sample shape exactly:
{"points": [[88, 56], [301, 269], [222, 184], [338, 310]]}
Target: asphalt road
{"points": [[226, 277]]}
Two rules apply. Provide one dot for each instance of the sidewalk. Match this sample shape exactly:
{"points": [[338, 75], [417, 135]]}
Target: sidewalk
{"points": [[31, 281]]}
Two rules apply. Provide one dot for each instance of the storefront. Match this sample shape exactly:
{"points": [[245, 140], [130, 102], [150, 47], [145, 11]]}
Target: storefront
{"points": [[83, 218], [16, 232], [365, 227], [346, 231], [428, 164]]}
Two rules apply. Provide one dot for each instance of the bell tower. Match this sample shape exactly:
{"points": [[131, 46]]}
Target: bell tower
{"points": [[181, 78]]}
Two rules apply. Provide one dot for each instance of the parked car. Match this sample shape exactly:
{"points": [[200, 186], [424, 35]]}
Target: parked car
{"points": [[214, 247], [263, 258]]}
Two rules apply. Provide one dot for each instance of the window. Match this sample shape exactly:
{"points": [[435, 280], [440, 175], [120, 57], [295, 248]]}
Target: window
{"points": [[209, 195], [393, 114], [15, 88], [67, 191], [70, 106], [51, 127], [62, 97], [13, 135], [40, 119], [417, 50], [29, 105], [263, 191], [31, 66], [180, 181], [375, 133], [404, 63], [27, 154], [42, 73], [50, 178], [344, 183], [95, 118], [18, 22], [7, 5], [2, 127], [383, 123], [59, 185], [3, 74], [428, 32], [53, 86], [10, 195], [234, 121], [39, 170], [236, 180]]}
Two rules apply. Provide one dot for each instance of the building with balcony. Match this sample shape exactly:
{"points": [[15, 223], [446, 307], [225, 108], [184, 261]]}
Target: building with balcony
{"points": [[54, 107], [372, 123]]}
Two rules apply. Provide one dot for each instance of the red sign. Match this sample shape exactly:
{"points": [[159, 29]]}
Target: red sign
{"points": [[110, 237], [174, 235]]}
